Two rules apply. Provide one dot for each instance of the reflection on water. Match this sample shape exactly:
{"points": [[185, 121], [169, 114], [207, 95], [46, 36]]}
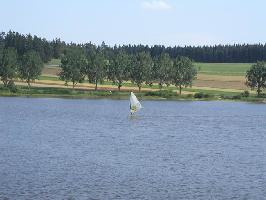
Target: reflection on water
{"points": [[94, 149], [134, 117]]}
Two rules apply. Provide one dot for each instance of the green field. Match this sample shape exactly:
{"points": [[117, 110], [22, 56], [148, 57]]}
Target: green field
{"points": [[50, 78], [235, 69], [53, 63], [216, 75]]}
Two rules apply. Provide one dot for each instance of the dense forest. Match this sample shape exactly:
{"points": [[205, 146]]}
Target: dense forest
{"points": [[237, 53]]}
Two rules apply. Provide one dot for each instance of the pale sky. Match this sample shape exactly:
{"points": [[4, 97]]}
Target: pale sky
{"points": [[168, 22]]}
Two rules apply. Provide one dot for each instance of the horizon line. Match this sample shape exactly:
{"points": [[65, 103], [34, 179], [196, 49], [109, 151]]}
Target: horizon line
{"points": [[138, 44]]}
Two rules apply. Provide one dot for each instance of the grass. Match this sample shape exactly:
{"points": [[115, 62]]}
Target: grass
{"points": [[60, 92], [46, 79], [214, 79], [148, 95], [233, 69], [50, 78], [125, 84], [216, 75], [211, 92], [129, 84], [54, 62], [81, 93]]}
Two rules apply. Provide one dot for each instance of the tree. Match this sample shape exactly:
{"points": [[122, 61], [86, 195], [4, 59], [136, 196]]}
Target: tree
{"points": [[141, 69], [162, 69], [256, 77], [73, 66], [56, 46], [2, 43], [96, 67], [31, 66], [119, 68], [184, 72], [149, 73], [8, 65]]}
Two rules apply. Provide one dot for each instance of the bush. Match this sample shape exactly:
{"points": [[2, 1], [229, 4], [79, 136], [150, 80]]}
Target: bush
{"points": [[201, 95], [151, 93], [161, 93], [245, 94], [101, 93], [234, 97]]}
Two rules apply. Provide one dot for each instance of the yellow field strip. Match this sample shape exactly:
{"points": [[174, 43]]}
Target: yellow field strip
{"points": [[88, 86]]}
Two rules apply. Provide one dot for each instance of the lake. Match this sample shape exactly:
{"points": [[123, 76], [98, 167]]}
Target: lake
{"points": [[92, 149]]}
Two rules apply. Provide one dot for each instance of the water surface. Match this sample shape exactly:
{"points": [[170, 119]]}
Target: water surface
{"points": [[92, 149]]}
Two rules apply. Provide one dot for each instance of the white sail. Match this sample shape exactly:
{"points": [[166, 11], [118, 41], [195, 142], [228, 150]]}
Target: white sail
{"points": [[134, 103]]}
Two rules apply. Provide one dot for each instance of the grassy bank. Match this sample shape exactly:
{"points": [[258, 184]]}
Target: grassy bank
{"points": [[147, 95], [59, 92]]}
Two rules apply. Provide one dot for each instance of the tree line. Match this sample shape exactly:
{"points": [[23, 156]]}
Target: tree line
{"points": [[236, 53], [22, 56], [95, 64], [24, 43]]}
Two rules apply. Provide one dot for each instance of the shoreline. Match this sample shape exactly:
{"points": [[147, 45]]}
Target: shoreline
{"points": [[45, 92]]}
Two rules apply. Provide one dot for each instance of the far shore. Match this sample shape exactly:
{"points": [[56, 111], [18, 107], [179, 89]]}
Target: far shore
{"points": [[40, 90]]}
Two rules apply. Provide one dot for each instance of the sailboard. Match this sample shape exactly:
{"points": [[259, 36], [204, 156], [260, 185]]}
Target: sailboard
{"points": [[135, 105]]}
